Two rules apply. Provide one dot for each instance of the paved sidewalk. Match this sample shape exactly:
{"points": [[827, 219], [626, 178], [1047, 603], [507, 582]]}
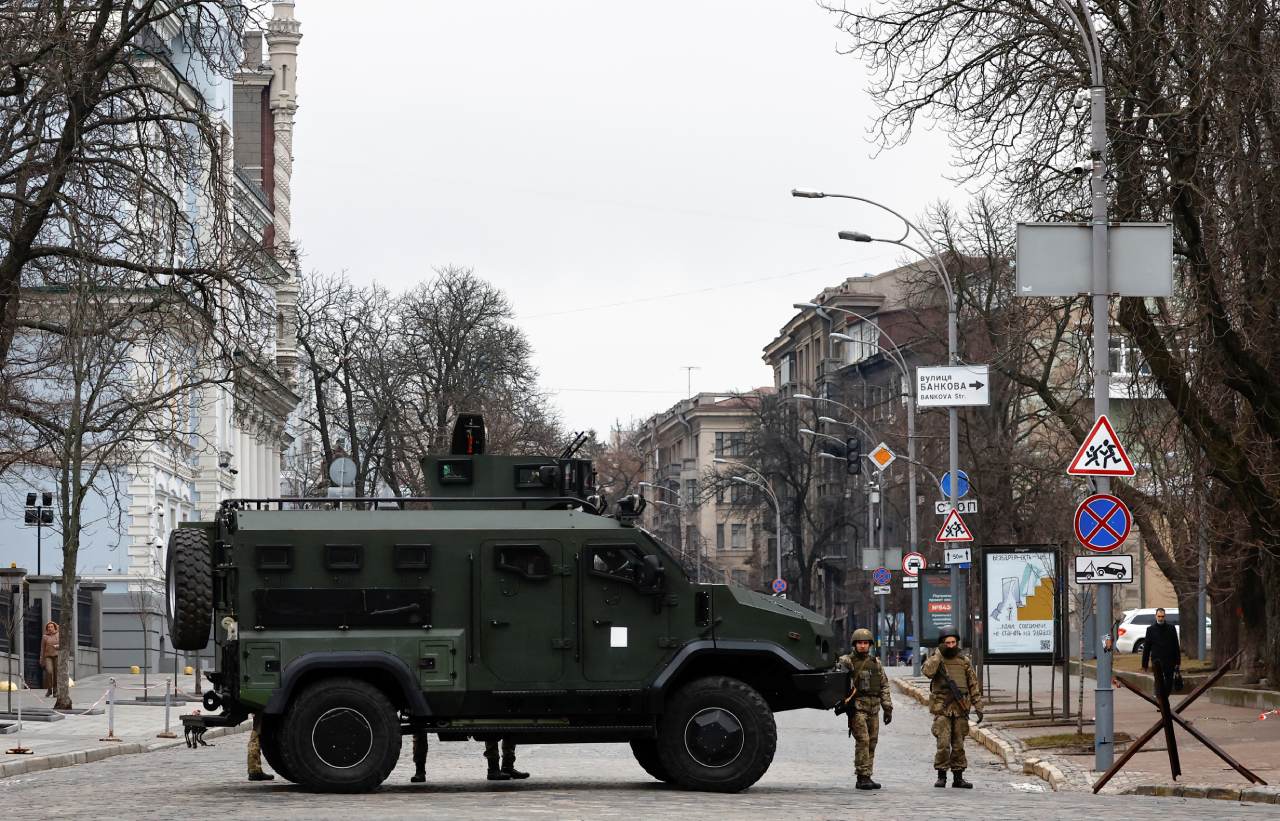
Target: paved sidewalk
{"points": [[1237, 730], [77, 739]]}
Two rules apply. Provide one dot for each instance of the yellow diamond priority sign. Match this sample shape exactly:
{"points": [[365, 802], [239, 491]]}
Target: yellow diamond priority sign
{"points": [[882, 456]]}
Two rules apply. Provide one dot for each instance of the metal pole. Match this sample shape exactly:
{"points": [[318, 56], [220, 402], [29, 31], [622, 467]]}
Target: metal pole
{"points": [[953, 446], [167, 733], [1103, 745], [39, 539], [777, 513], [881, 622], [912, 498]]}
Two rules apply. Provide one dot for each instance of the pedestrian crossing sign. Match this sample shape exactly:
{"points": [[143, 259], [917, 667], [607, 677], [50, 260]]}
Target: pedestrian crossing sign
{"points": [[954, 529], [1101, 454]]}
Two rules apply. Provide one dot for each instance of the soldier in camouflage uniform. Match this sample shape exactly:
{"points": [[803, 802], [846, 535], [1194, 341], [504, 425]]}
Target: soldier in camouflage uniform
{"points": [[254, 758], [868, 694], [951, 717]]}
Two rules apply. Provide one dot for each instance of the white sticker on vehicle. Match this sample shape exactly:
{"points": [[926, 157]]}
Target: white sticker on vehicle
{"points": [[617, 637]]}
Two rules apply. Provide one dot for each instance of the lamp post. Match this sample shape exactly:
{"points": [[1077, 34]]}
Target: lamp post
{"points": [[767, 487], [679, 508], [953, 357], [39, 512]]}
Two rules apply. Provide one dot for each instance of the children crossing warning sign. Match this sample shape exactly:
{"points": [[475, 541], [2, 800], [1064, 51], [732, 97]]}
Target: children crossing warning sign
{"points": [[954, 530], [1101, 454]]}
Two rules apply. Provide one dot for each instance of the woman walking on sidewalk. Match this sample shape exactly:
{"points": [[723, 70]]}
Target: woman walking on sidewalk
{"points": [[49, 657]]}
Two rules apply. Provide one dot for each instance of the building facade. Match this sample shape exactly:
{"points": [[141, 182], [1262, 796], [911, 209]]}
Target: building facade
{"points": [[240, 427], [706, 523]]}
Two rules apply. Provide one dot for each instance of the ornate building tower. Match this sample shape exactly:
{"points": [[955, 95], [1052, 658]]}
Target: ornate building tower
{"points": [[284, 32]]}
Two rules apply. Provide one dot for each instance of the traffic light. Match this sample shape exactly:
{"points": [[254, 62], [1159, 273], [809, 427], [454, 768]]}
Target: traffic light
{"points": [[853, 452]]}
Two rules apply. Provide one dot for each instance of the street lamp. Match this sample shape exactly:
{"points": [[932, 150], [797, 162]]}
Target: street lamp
{"points": [[953, 357], [767, 487], [38, 514], [679, 508]]}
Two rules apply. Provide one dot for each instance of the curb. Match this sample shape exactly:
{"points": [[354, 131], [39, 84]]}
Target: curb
{"points": [[1257, 795], [1046, 771], [988, 738], [56, 761]]}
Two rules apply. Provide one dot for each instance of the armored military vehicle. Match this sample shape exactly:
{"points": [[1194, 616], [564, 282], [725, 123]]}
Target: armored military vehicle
{"points": [[508, 603]]}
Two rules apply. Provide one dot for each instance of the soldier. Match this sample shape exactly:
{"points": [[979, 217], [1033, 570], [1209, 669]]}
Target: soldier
{"points": [[868, 693], [954, 687], [508, 769], [254, 759]]}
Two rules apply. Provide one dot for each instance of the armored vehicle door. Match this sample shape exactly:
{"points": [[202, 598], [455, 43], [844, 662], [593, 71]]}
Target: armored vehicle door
{"points": [[625, 633], [521, 617]]}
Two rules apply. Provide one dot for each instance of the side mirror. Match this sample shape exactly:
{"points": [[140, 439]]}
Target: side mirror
{"points": [[651, 574]]}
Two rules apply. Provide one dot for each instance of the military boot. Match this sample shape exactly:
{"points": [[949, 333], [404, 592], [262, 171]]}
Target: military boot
{"points": [[495, 774], [259, 775], [942, 779], [865, 783], [510, 771], [957, 780]]}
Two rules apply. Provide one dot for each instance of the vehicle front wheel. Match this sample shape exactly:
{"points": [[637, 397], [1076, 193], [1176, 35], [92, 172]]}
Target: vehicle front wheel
{"points": [[646, 753], [718, 735], [340, 735]]}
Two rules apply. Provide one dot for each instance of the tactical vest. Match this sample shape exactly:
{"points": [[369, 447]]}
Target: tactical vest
{"points": [[867, 678], [955, 668]]}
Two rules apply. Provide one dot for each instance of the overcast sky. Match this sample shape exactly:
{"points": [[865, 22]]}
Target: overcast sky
{"points": [[620, 170]]}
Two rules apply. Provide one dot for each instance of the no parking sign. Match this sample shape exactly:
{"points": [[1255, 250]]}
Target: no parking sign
{"points": [[1102, 523]]}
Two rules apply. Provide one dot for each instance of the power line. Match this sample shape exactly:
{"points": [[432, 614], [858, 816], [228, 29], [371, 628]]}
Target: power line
{"points": [[673, 295]]}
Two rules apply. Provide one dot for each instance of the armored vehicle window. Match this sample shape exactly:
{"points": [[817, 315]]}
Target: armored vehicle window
{"points": [[413, 557], [617, 562], [528, 560], [454, 471], [321, 608], [275, 557], [342, 556]]}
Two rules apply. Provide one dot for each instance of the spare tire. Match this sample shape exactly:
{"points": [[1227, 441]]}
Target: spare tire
{"points": [[189, 588]]}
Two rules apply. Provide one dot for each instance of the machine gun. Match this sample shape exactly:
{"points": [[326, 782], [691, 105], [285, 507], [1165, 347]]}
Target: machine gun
{"points": [[954, 689]]}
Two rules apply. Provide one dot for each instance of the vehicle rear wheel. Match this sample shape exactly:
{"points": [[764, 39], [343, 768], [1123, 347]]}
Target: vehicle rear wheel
{"points": [[1138, 645], [340, 735], [646, 753], [717, 735], [189, 588], [269, 742]]}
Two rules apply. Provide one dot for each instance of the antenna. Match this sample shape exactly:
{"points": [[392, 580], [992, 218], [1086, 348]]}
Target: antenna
{"points": [[579, 439], [688, 377]]}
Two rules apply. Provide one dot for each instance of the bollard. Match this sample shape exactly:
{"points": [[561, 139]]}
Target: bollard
{"points": [[166, 733], [19, 750], [111, 713]]}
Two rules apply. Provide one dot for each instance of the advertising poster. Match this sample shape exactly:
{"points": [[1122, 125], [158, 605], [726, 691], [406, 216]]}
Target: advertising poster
{"points": [[1021, 603], [935, 595]]}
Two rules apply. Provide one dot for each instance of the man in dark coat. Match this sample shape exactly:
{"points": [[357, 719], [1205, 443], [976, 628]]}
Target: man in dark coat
{"points": [[1161, 643]]}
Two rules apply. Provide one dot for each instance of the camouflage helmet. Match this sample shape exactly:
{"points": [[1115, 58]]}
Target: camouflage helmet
{"points": [[949, 630], [862, 634]]}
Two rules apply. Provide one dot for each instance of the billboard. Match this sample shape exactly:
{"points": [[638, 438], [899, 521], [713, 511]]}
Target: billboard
{"points": [[935, 600], [1022, 602]]}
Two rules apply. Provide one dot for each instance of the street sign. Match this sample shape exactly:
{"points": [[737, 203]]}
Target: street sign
{"points": [[944, 484], [880, 590], [882, 456], [965, 506], [913, 564], [953, 530], [952, 386], [881, 576], [1116, 568], [958, 555], [779, 586], [1102, 523], [910, 583], [873, 557], [1101, 454], [1055, 259]]}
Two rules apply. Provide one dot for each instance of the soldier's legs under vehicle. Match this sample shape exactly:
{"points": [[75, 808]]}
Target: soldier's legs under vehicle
{"points": [[865, 734], [419, 758], [253, 760]]}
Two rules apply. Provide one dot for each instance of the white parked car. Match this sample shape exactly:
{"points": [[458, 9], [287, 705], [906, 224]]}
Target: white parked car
{"points": [[1132, 632]]}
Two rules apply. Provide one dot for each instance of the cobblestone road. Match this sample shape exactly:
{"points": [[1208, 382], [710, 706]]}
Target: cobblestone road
{"points": [[811, 778]]}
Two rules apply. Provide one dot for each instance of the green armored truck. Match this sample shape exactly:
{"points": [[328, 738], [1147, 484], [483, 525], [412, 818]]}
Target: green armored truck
{"points": [[508, 603]]}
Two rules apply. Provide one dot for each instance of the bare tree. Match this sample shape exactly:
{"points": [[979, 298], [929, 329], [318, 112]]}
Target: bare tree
{"points": [[1194, 141]]}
